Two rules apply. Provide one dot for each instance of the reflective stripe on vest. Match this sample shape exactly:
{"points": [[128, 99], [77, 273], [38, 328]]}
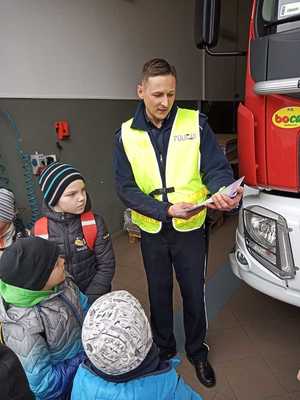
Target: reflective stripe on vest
{"points": [[182, 168], [88, 226]]}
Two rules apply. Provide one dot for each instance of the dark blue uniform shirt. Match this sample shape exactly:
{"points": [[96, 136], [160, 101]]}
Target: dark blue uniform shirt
{"points": [[214, 167]]}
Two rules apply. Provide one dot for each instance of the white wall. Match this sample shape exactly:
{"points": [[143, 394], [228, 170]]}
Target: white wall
{"points": [[93, 48]]}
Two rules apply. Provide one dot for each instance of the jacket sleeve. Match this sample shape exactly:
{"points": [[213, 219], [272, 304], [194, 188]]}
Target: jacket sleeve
{"points": [[105, 268], [46, 380], [127, 189], [214, 167]]}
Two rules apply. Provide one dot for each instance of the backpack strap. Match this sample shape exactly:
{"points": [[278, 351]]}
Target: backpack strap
{"points": [[89, 228], [41, 228], [88, 225]]}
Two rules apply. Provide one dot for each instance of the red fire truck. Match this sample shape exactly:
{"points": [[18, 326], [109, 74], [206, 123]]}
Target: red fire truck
{"points": [[267, 252]]}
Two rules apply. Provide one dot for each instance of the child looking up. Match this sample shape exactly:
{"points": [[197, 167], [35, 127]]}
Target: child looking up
{"points": [[81, 235]]}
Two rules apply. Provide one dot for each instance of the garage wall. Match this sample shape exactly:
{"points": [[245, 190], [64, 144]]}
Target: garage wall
{"points": [[93, 48]]}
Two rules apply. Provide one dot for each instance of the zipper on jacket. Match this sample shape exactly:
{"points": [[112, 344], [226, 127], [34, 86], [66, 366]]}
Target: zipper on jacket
{"points": [[160, 162], [162, 170], [66, 243]]}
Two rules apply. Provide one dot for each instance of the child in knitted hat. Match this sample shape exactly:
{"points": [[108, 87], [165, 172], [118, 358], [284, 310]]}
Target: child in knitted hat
{"points": [[81, 235], [41, 315], [10, 230], [123, 362]]}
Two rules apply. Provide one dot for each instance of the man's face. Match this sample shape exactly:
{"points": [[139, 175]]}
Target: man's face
{"points": [[158, 94]]}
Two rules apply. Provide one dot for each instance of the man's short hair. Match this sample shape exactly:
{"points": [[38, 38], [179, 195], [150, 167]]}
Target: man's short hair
{"points": [[157, 67]]}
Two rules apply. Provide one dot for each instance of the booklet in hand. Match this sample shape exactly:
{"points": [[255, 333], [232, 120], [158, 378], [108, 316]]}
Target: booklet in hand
{"points": [[230, 190]]}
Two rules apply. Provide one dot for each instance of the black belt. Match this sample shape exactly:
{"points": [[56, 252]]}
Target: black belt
{"points": [[162, 191]]}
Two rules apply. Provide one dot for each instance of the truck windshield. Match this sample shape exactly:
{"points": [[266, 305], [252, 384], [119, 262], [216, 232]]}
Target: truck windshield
{"points": [[282, 14]]}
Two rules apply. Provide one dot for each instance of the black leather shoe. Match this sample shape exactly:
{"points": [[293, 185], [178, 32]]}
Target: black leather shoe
{"points": [[205, 373], [164, 356]]}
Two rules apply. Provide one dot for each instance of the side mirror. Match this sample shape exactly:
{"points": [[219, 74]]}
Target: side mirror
{"points": [[207, 23]]}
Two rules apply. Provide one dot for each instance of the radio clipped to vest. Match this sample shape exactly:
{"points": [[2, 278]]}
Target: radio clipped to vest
{"points": [[88, 226]]}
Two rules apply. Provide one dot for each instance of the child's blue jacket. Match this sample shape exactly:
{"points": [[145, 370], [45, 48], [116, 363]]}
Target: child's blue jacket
{"points": [[161, 385]]}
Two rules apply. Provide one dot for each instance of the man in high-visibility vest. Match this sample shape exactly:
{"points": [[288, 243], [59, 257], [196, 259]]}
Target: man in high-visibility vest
{"points": [[166, 160]]}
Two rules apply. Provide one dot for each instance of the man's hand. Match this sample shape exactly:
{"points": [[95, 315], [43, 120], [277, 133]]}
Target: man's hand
{"points": [[181, 210], [222, 202]]}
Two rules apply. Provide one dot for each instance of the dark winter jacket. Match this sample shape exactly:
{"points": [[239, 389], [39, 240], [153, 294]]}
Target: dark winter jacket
{"points": [[13, 381], [214, 168], [92, 270]]}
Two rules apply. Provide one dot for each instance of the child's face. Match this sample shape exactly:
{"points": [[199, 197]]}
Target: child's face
{"points": [[57, 275], [73, 199], [3, 227]]}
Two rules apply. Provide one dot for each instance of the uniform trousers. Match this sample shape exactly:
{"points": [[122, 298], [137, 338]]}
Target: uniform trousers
{"points": [[185, 252]]}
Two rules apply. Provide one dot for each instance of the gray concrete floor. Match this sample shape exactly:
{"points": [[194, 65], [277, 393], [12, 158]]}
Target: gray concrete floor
{"points": [[254, 340]]}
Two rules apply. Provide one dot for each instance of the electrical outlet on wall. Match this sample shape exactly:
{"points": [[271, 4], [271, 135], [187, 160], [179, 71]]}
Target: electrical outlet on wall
{"points": [[40, 161]]}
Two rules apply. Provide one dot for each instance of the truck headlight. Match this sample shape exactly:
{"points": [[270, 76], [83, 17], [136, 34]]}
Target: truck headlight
{"points": [[267, 240]]}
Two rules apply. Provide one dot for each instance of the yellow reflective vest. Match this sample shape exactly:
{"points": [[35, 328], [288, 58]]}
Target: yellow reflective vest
{"points": [[182, 169]]}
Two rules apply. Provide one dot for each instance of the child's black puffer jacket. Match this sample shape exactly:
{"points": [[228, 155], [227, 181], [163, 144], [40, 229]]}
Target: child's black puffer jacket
{"points": [[92, 270]]}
